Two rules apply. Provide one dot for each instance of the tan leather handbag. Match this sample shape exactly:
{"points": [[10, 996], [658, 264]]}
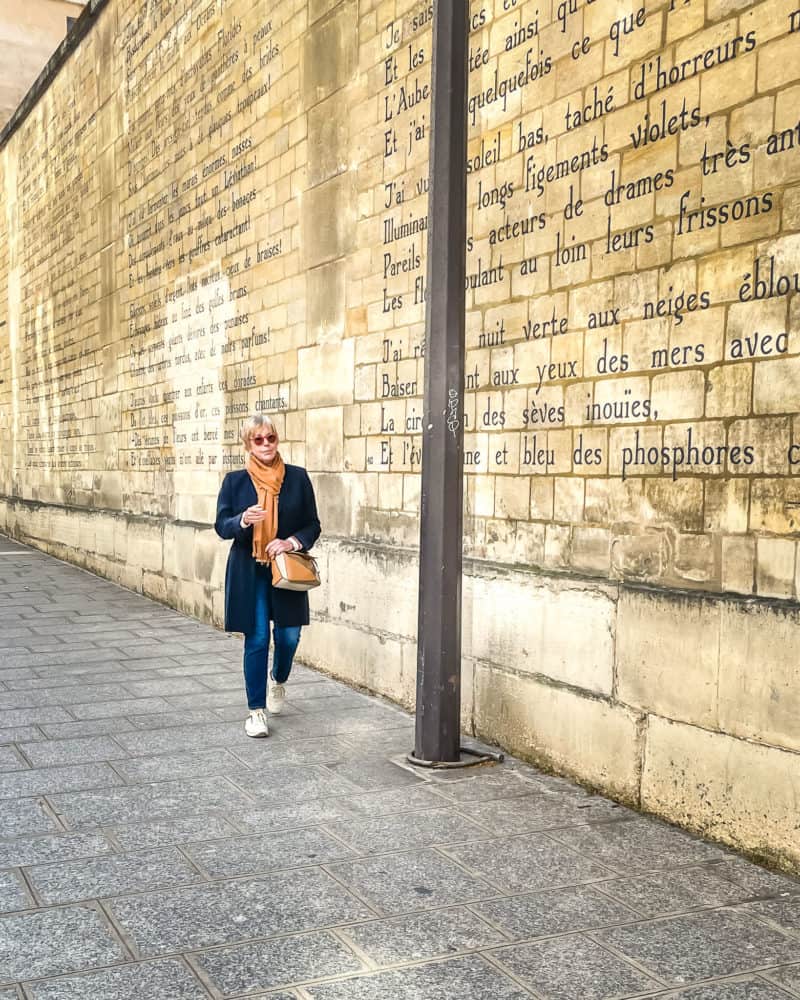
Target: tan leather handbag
{"points": [[295, 571]]}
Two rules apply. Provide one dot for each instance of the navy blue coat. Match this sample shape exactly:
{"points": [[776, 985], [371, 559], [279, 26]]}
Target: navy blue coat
{"points": [[297, 515]]}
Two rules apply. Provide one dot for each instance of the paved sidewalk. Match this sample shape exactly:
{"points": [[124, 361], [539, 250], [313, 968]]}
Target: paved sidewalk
{"points": [[150, 851]]}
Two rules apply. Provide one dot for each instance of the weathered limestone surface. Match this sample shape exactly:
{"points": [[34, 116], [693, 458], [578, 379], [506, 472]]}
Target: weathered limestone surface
{"points": [[215, 209], [731, 789]]}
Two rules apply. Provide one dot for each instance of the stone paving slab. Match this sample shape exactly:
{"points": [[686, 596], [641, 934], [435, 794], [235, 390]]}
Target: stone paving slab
{"points": [[123, 706], [234, 911], [420, 936], [140, 981], [251, 855], [58, 847], [62, 695], [22, 817], [555, 911], [10, 717], [198, 717], [176, 735], [393, 802], [91, 727], [748, 989], [789, 976], [638, 845], [571, 966], [515, 864], [192, 764], [699, 946], [12, 893], [140, 802], [269, 964], [181, 830], [324, 751], [50, 942], [402, 883], [470, 978], [675, 892], [150, 851], [10, 760], [397, 833], [529, 813], [47, 780], [95, 878], [75, 751], [292, 782]]}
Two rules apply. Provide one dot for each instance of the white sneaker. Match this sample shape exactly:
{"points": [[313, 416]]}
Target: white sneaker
{"points": [[276, 696], [255, 724]]}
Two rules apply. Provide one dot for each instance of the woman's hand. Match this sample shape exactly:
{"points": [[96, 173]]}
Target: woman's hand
{"points": [[254, 514], [278, 545]]}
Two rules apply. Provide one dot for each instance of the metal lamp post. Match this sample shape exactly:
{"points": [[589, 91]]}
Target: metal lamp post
{"points": [[437, 739]]}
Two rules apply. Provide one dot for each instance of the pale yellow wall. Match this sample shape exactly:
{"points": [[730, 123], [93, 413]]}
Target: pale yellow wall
{"points": [[215, 209], [30, 31]]}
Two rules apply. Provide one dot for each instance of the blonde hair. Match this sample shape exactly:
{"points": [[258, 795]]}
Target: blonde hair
{"points": [[254, 423]]}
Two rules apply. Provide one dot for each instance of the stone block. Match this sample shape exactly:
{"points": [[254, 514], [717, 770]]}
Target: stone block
{"points": [[723, 272], [725, 788], [768, 437], [676, 503], [562, 729], [694, 561], [107, 271], [531, 630], [639, 557], [85, 939], [329, 53], [777, 64], [164, 978], [328, 220], [146, 546], [726, 505], [325, 374], [329, 128], [729, 390], [738, 564], [106, 167], [776, 386], [178, 551], [591, 550], [344, 501], [326, 302], [678, 396], [568, 499], [668, 655], [759, 698], [324, 439], [361, 658], [376, 588], [775, 506], [775, 563], [512, 496]]}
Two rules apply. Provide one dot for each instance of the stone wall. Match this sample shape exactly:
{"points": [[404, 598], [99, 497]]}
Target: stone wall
{"points": [[219, 207]]}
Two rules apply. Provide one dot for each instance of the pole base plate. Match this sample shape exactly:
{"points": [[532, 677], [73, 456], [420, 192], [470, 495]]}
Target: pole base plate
{"points": [[475, 758]]}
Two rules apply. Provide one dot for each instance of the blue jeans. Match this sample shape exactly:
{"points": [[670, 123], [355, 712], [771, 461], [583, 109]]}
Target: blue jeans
{"points": [[256, 648]]}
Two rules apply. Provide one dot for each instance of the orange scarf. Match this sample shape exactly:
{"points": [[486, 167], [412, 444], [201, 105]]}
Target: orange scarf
{"points": [[267, 480]]}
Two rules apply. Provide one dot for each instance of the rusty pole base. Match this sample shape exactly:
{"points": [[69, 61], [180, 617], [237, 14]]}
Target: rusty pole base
{"points": [[480, 757]]}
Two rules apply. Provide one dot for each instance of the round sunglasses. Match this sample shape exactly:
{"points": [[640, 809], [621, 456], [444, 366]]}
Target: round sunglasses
{"points": [[260, 439]]}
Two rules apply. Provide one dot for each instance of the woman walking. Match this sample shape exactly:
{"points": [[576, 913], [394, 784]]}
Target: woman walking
{"points": [[266, 508]]}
